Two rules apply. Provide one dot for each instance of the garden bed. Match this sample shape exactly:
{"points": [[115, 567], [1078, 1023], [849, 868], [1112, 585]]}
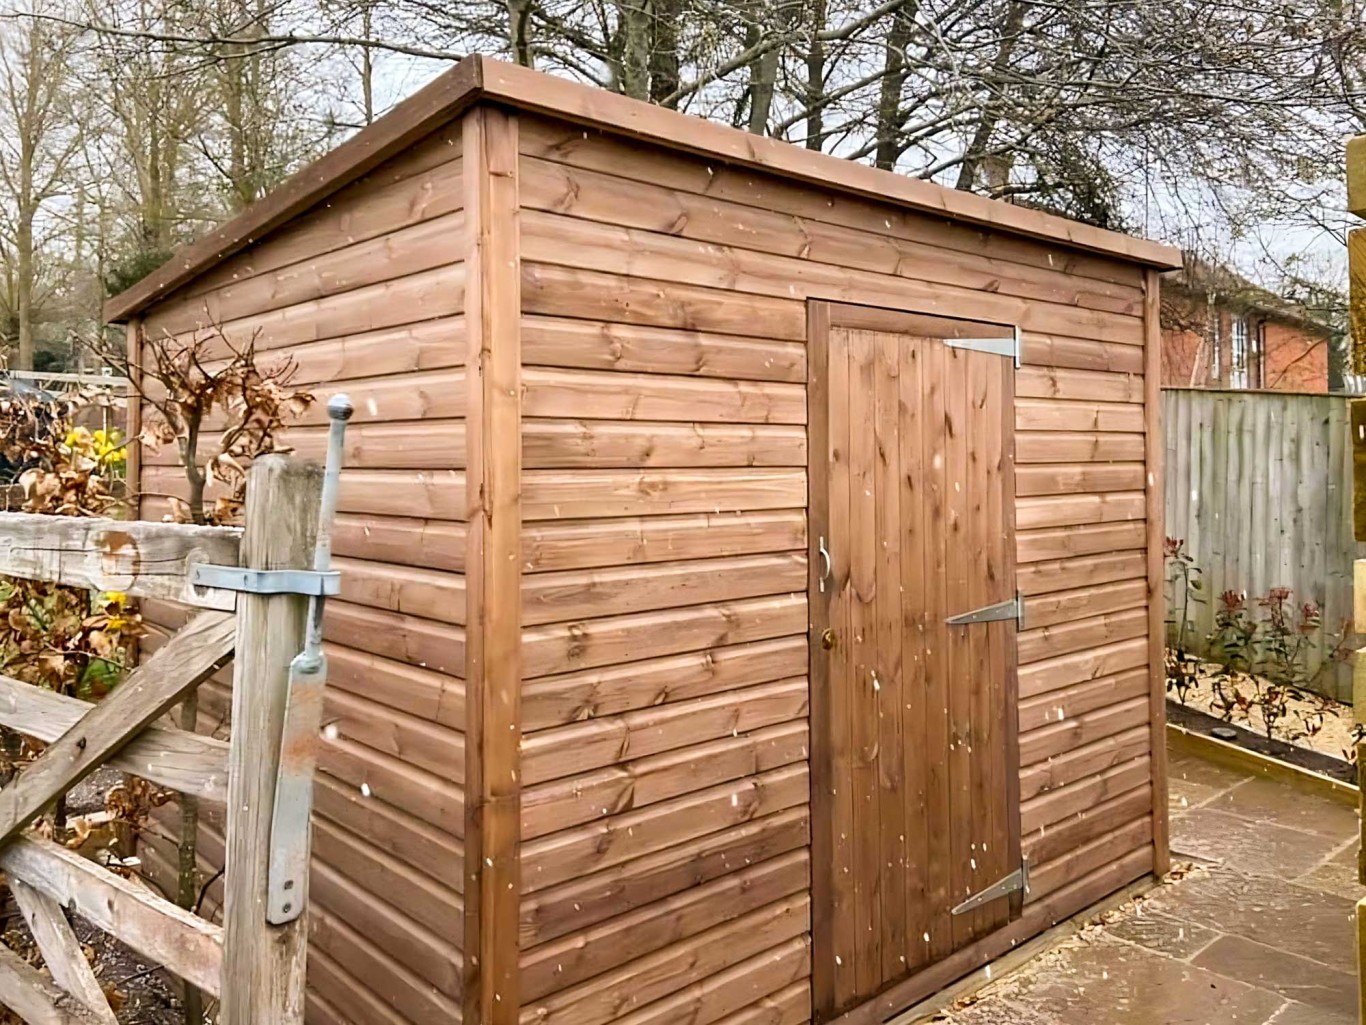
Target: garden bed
{"points": [[1310, 721], [1205, 724]]}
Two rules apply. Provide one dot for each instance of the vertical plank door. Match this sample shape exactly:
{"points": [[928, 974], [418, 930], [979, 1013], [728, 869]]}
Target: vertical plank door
{"points": [[915, 800]]}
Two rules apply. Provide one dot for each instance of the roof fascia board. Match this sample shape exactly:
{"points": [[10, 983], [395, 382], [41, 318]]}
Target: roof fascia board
{"points": [[428, 109], [526, 89], [478, 78]]}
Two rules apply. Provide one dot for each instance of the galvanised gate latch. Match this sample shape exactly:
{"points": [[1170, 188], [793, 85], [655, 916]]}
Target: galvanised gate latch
{"points": [[289, 824]]}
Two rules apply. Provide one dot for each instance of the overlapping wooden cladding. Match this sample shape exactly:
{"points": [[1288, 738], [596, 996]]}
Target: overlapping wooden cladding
{"points": [[365, 293], [665, 791], [664, 335]]}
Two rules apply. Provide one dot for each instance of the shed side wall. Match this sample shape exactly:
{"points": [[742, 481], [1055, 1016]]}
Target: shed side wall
{"points": [[665, 822], [365, 293]]}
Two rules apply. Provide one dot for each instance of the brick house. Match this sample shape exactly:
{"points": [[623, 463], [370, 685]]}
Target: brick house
{"points": [[1219, 330]]}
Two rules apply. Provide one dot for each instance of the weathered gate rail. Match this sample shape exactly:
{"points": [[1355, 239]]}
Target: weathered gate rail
{"points": [[265, 631]]}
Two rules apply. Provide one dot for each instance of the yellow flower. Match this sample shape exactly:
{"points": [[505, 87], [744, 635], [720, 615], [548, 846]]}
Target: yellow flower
{"points": [[116, 597]]}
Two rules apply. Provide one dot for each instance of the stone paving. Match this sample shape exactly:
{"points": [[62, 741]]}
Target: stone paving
{"points": [[1259, 932]]}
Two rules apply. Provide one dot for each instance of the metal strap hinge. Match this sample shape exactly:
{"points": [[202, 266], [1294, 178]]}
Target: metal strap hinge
{"points": [[1002, 346], [1012, 608], [266, 581], [1017, 880]]}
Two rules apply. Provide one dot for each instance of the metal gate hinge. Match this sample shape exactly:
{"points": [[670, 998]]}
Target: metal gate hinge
{"points": [[1017, 880], [1012, 608], [266, 581], [1008, 346]]}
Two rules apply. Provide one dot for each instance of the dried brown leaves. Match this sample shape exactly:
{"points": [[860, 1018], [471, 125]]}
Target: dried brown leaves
{"points": [[209, 398]]}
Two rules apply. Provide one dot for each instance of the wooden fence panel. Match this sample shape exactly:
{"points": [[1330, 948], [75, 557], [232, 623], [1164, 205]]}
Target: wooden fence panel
{"points": [[1259, 486]]}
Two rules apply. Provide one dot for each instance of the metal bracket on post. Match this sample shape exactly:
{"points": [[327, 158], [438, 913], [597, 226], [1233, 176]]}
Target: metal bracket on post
{"points": [[1012, 608], [1017, 880], [1003, 346], [265, 581], [290, 820]]}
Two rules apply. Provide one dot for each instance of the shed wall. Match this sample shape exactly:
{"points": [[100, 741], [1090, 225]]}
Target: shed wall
{"points": [[365, 293], [665, 812]]}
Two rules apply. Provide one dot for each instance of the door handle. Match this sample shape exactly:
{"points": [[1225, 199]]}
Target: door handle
{"points": [[827, 638], [825, 565]]}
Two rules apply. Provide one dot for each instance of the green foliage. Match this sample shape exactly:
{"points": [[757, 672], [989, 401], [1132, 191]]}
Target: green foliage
{"points": [[1264, 658], [133, 268], [1183, 588]]}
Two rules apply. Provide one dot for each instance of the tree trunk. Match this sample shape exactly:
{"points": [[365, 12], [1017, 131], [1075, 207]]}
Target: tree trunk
{"points": [[763, 70], [634, 18], [664, 52], [367, 67], [889, 118], [815, 78], [976, 157], [24, 281], [519, 31]]}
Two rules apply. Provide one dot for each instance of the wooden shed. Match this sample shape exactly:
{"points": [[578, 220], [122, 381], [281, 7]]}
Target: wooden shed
{"points": [[751, 562]]}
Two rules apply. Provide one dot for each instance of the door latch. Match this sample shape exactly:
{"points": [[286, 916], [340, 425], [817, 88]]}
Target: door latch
{"points": [[825, 563]]}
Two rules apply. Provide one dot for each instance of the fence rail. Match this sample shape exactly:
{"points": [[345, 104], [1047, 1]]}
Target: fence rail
{"points": [[255, 968], [1259, 486]]}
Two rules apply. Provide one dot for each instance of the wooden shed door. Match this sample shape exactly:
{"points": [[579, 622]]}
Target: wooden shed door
{"points": [[913, 718]]}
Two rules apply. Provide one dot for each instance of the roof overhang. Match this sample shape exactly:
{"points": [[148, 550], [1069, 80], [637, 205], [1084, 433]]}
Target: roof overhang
{"points": [[480, 78]]}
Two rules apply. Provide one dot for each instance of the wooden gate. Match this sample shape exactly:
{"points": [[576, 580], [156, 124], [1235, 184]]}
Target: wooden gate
{"points": [[913, 639], [264, 962]]}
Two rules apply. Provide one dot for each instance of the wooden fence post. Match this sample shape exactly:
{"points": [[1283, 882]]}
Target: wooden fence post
{"points": [[263, 964]]}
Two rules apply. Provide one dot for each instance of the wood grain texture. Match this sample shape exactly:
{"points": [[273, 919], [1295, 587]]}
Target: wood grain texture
{"points": [[185, 944], [660, 973], [1259, 490], [565, 647], [620, 838], [636, 540], [401, 253], [197, 650], [630, 254], [187, 762], [917, 478], [145, 560], [1157, 573], [566, 802], [662, 560], [62, 954], [35, 998], [265, 962], [1036, 918], [574, 594], [578, 103], [583, 747], [412, 119], [398, 346], [750, 219], [493, 659], [564, 143], [575, 959], [579, 903], [605, 345], [604, 279], [558, 700]]}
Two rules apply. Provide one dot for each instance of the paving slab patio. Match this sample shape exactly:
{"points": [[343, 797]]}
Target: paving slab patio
{"points": [[1259, 930]]}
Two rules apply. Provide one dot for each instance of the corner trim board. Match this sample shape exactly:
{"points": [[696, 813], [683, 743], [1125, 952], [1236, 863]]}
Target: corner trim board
{"points": [[493, 575]]}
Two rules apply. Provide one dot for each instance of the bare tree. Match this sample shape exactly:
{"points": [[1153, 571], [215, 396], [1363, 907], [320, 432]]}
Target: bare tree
{"points": [[37, 143]]}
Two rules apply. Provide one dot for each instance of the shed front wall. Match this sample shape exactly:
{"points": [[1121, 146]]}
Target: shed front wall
{"points": [[665, 755], [365, 293]]}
